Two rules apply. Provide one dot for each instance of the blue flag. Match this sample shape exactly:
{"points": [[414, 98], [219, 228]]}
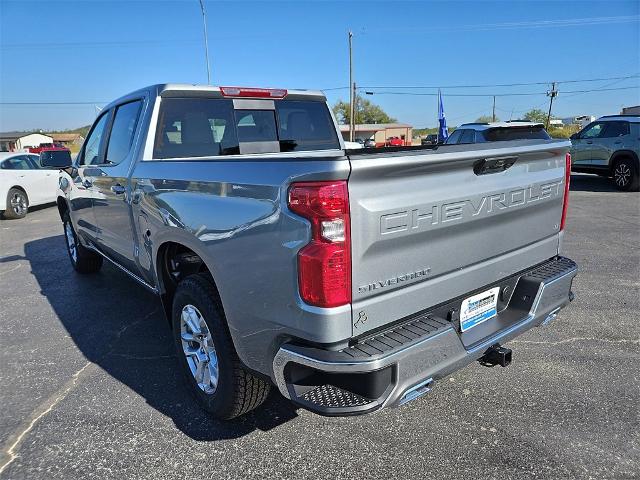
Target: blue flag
{"points": [[443, 134]]}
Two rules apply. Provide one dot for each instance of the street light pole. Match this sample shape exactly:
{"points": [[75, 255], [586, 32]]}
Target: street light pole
{"points": [[206, 42]]}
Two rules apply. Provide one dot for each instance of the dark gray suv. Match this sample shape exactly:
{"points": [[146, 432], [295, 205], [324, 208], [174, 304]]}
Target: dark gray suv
{"points": [[609, 147]]}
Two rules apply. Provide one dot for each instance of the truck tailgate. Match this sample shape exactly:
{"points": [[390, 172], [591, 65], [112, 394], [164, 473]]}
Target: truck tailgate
{"points": [[429, 226]]}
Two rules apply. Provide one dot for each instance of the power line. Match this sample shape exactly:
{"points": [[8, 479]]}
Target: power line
{"points": [[523, 84], [487, 85], [556, 23], [53, 103], [515, 94]]}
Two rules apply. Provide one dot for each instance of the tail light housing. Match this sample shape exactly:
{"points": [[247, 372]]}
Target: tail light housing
{"points": [[567, 179], [324, 264]]}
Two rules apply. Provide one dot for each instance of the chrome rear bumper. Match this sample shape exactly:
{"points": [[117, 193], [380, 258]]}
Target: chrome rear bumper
{"points": [[397, 365]]}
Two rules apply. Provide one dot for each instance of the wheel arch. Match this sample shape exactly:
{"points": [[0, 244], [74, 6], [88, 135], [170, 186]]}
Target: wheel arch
{"points": [[63, 208], [175, 259], [19, 187], [621, 154]]}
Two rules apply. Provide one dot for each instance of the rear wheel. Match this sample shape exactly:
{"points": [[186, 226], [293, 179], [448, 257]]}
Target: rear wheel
{"points": [[212, 370], [17, 204], [82, 259], [625, 175]]}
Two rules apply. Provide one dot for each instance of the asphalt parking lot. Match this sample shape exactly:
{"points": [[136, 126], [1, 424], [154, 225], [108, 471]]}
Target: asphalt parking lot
{"points": [[89, 386]]}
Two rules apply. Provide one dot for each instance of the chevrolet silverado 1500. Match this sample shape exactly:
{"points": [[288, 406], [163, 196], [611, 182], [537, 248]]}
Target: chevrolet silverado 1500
{"points": [[350, 280]]}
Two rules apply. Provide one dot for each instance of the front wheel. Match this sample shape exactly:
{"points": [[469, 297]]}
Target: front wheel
{"points": [[625, 175], [82, 259], [212, 370]]}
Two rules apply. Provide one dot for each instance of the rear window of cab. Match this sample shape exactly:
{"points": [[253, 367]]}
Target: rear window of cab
{"points": [[515, 133], [201, 127]]}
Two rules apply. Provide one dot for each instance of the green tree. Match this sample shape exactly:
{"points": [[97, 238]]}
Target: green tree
{"points": [[486, 119], [366, 112], [536, 115]]}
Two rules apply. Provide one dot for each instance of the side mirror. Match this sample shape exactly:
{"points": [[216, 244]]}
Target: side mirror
{"points": [[56, 159]]}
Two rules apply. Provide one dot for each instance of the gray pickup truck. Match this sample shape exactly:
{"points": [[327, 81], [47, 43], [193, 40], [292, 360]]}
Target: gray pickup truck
{"points": [[351, 280]]}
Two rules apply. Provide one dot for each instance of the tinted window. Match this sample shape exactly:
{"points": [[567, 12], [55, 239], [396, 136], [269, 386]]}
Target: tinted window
{"points": [[195, 127], [256, 125], [91, 153], [34, 161], [516, 133], [304, 125], [20, 162], [124, 126], [467, 136], [592, 131], [454, 137], [616, 129]]}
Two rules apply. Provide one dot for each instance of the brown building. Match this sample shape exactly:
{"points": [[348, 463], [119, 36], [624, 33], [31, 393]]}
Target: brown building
{"points": [[380, 132], [67, 139]]}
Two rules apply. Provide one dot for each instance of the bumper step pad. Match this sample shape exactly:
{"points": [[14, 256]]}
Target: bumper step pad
{"points": [[329, 396]]}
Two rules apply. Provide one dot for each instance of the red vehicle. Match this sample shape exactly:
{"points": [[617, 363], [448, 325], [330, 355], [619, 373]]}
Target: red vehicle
{"points": [[395, 142], [48, 147]]}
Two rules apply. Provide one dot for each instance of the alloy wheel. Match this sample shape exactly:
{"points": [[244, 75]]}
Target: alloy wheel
{"points": [[71, 241], [19, 204], [199, 349], [622, 175]]}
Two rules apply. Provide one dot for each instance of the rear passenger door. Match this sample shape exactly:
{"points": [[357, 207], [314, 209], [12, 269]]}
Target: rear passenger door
{"points": [[611, 140], [112, 209]]}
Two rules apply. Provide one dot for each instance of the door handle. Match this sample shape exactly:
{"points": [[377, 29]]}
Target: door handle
{"points": [[118, 189], [86, 183]]}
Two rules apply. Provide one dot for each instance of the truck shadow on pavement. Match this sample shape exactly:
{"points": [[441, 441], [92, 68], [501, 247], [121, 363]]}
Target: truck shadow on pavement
{"points": [[119, 326], [585, 182]]}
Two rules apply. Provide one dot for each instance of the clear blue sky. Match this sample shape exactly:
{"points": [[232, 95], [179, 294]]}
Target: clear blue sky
{"points": [[91, 51]]}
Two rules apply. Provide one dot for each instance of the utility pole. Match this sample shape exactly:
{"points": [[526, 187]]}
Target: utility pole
{"points": [[552, 94], [493, 116], [351, 89], [355, 109], [206, 42]]}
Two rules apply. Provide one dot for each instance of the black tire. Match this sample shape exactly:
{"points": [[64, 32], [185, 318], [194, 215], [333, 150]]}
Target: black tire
{"points": [[237, 391], [83, 260], [625, 175], [17, 204]]}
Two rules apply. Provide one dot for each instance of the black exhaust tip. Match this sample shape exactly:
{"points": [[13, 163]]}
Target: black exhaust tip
{"points": [[496, 355]]}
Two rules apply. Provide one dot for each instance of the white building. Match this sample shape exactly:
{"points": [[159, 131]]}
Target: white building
{"points": [[22, 141], [582, 120]]}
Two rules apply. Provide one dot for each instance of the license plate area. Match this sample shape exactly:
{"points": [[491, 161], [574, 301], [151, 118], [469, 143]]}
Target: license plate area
{"points": [[478, 308]]}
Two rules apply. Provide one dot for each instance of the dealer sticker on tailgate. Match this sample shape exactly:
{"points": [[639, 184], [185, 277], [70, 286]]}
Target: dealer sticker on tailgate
{"points": [[478, 308]]}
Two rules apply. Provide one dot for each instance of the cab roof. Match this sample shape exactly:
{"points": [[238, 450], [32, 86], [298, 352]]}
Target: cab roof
{"points": [[625, 118], [196, 90], [508, 124]]}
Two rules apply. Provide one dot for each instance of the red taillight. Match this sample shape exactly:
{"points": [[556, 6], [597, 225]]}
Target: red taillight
{"points": [[253, 92], [567, 179], [324, 265]]}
